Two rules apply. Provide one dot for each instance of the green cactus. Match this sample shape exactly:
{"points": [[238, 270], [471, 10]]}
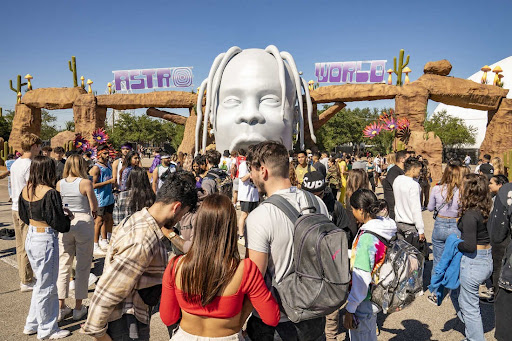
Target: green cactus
{"points": [[72, 68], [1, 113], [401, 66], [20, 84], [69, 146], [6, 150], [507, 162]]}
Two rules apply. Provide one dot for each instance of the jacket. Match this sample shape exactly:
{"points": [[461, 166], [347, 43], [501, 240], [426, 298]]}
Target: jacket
{"points": [[447, 270]]}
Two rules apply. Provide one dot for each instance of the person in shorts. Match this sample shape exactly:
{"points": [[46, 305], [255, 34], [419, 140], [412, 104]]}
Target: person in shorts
{"points": [[102, 182], [247, 195]]}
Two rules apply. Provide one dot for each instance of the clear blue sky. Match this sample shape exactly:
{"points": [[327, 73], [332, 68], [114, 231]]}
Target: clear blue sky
{"points": [[38, 37]]}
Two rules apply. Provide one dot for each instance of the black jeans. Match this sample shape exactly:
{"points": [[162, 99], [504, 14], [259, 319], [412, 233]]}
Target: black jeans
{"points": [[127, 328], [309, 330]]}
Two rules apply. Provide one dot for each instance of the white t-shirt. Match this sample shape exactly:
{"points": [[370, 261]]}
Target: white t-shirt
{"points": [[407, 202], [246, 189], [376, 162], [20, 170], [225, 163], [270, 231]]}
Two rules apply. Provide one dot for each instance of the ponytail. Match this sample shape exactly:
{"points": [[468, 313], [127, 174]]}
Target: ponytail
{"points": [[366, 200]]}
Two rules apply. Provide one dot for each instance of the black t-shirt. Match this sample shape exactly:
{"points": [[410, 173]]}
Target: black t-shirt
{"points": [[59, 168], [320, 167], [387, 184], [473, 231]]}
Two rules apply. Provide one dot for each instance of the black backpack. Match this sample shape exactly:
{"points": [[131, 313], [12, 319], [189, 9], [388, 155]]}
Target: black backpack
{"points": [[320, 282], [223, 182]]}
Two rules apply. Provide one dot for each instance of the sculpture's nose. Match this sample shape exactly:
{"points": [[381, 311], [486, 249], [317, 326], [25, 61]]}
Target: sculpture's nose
{"points": [[250, 115]]}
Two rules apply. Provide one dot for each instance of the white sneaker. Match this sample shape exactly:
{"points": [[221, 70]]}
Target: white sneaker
{"points": [[72, 285], [103, 243], [27, 287], [98, 252], [92, 279], [29, 331], [78, 314], [63, 313], [59, 334]]}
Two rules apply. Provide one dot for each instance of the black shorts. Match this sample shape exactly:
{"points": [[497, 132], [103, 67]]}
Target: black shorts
{"points": [[105, 209], [248, 206]]}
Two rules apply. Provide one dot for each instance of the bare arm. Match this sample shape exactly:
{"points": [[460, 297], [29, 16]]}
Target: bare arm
{"points": [[115, 164], [5, 174], [260, 259], [246, 177], [95, 173], [154, 185], [87, 190]]}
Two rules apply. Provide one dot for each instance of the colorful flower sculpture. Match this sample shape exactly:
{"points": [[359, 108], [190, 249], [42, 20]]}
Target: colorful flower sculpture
{"points": [[372, 130], [403, 123], [390, 124], [100, 136], [81, 143]]}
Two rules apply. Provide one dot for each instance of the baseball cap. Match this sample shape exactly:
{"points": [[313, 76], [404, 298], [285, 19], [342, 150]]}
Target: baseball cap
{"points": [[314, 182], [487, 169], [165, 156]]}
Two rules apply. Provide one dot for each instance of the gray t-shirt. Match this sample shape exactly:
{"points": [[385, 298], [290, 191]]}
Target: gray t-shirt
{"points": [[270, 231], [360, 164]]}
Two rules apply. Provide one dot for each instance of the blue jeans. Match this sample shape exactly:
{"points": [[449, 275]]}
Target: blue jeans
{"points": [[43, 254], [442, 229], [475, 268], [366, 313]]}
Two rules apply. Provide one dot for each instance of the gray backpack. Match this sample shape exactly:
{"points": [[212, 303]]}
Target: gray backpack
{"points": [[320, 282]]}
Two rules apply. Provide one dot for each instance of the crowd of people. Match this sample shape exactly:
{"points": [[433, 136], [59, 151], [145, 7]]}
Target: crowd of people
{"points": [[171, 238]]}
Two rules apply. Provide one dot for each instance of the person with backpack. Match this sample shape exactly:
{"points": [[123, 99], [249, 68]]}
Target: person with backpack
{"points": [[368, 255], [314, 183], [162, 171], [216, 179], [270, 241]]}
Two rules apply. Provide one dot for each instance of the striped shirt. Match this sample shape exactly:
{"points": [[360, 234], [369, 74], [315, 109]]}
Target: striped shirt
{"points": [[136, 259]]}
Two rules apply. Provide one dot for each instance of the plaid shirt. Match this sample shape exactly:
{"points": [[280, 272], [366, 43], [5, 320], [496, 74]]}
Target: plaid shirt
{"points": [[121, 208], [136, 259]]}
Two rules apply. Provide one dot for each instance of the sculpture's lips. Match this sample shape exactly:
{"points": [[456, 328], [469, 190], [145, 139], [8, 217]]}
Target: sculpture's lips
{"points": [[246, 139]]}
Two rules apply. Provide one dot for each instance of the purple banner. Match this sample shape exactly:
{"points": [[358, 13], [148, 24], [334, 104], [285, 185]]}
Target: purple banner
{"points": [[372, 71], [175, 77]]}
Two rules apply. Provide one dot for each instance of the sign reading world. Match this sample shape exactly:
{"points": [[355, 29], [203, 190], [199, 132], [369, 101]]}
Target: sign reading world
{"points": [[372, 71], [175, 77]]}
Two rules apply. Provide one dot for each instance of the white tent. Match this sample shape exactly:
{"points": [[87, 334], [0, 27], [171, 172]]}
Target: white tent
{"points": [[478, 118]]}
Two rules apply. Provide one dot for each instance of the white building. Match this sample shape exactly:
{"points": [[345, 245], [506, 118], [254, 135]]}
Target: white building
{"points": [[478, 118]]}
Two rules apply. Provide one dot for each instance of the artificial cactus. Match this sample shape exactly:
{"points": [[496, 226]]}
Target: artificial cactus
{"points": [[1, 114], [507, 162], [69, 146], [401, 66], [6, 150], [72, 68], [18, 88]]}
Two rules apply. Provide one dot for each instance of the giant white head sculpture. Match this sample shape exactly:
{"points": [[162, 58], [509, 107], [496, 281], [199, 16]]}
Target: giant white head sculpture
{"points": [[253, 95]]}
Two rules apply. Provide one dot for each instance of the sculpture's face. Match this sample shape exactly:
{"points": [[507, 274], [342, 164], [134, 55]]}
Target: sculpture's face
{"points": [[249, 103]]}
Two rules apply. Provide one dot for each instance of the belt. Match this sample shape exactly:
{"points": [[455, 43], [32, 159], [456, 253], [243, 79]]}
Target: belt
{"points": [[41, 229]]}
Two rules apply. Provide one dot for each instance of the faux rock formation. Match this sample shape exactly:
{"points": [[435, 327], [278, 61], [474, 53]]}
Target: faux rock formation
{"points": [[52, 98], [188, 143], [353, 93], [411, 103], [158, 99], [88, 115], [440, 67], [62, 138], [499, 131], [26, 120], [430, 147], [174, 118]]}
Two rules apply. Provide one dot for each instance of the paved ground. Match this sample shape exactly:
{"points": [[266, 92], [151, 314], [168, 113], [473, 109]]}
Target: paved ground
{"points": [[421, 321]]}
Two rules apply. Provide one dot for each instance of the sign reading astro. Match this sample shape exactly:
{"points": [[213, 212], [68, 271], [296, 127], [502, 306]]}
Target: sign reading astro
{"points": [[372, 71], [174, 77]]}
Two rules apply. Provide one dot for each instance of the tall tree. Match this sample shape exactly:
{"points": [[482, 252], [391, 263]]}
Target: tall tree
{"points": [[452, 131], [48, 128]]}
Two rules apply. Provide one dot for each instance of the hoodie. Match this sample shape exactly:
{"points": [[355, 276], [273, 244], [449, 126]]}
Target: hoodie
{"points": [[368, 254]]}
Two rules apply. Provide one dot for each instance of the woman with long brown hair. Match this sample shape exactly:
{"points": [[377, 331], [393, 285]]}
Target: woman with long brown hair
{"points": [[40, 207], [476, 261], [499, 168], [444, 202], [356, 179], [206, 287]]}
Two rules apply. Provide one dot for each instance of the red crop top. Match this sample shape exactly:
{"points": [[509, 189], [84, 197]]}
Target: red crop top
{"points": [[252, 285]]}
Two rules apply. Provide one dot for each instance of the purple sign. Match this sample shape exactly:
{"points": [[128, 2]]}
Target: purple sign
{"points": [[175, 77], [372, 71]]}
